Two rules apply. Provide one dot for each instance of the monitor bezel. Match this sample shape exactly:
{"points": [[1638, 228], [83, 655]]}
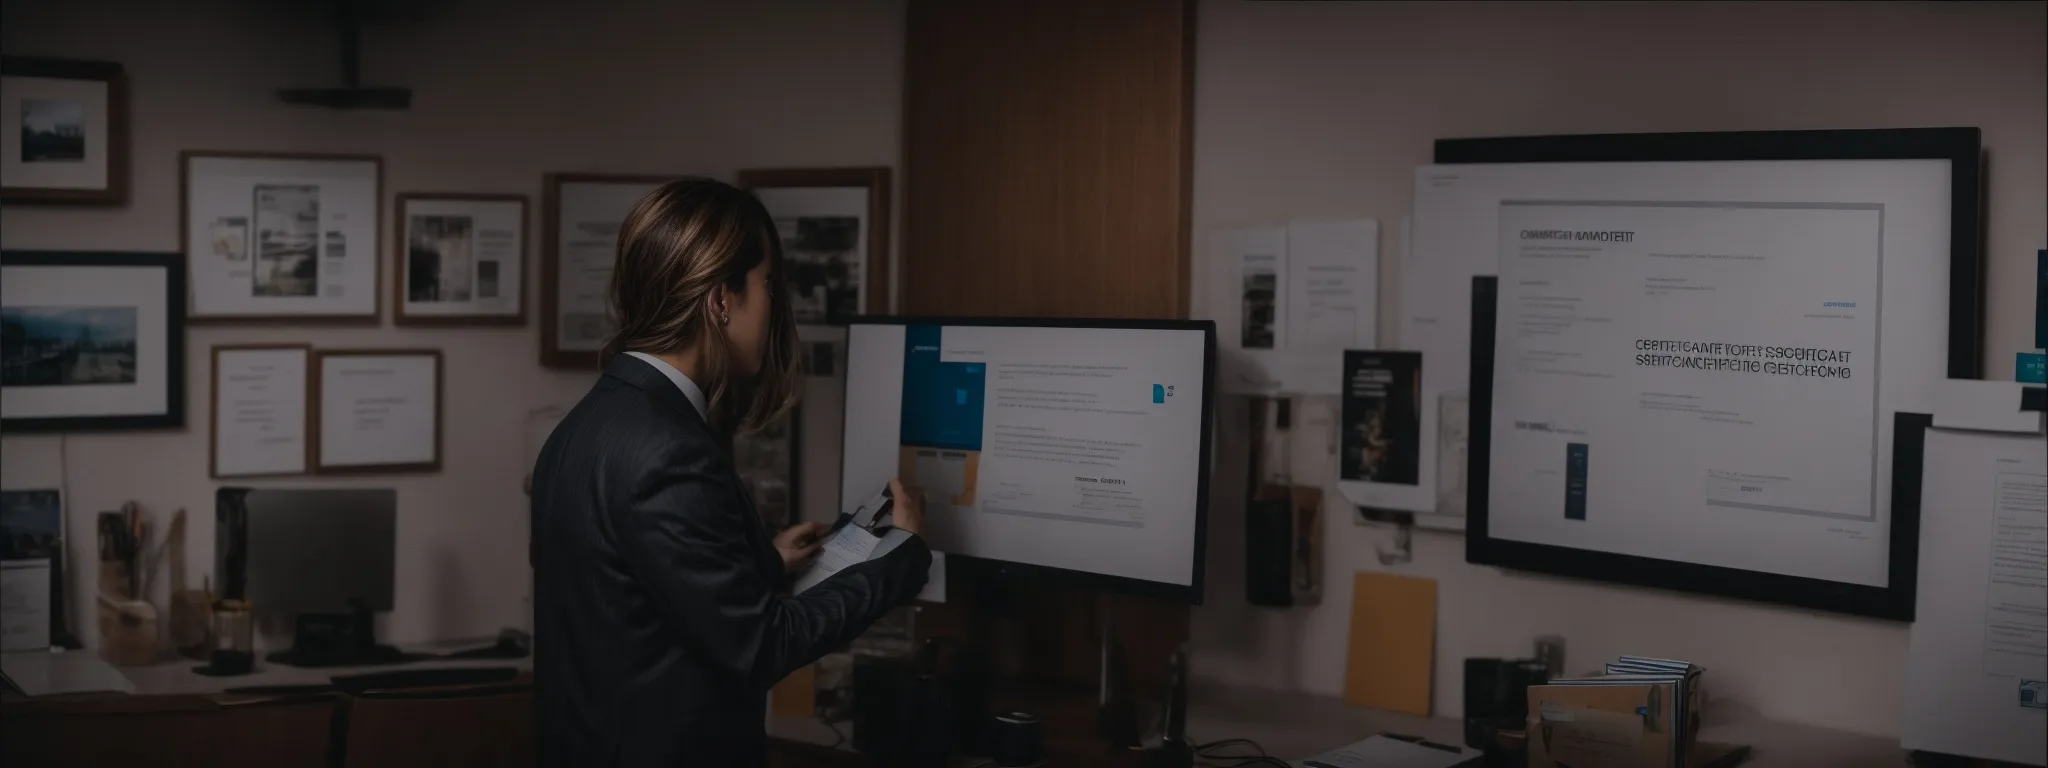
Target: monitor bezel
{"points": [[1031, 573]]}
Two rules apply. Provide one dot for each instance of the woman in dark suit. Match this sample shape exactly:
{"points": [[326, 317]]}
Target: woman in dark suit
{"points": [[661, 618]]}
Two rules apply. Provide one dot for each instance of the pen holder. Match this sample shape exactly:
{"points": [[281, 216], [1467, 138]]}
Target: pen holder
{"points": [[128, 632]]}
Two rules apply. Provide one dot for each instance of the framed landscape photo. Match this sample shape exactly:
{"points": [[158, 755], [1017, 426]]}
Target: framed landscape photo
{"points": [[91, 341], [379, 410], [834, 225], [262, 411], [281, 238], [461, 259], [65, 137], [582, 216]]}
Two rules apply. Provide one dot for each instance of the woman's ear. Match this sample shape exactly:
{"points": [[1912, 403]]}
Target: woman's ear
{"points": [[715, 305]]}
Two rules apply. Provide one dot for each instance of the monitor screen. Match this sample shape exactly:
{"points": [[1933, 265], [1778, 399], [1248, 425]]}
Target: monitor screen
{"points": [[1077, 445], [314, 550]]}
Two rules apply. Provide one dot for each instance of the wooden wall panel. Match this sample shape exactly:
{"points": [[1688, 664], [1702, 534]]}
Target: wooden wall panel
{"points": [[1047, 147]]}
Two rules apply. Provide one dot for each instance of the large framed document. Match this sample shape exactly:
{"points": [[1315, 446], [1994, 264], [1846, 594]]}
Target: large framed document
{"points": [[1690, 354]]}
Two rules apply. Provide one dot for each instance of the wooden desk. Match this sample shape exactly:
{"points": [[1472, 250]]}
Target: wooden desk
{"points": [[1295, 726], [178, 677], [175, 676]]}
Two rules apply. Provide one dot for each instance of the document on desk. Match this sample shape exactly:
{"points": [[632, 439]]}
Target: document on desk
{"points": [[46, 673], [1385, 752], [1979, 640], [849, 546]]}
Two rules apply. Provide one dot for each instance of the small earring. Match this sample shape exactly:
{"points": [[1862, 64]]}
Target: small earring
{"points": [[724, 319]]}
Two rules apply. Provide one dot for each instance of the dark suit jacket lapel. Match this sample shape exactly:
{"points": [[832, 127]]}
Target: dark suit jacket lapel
{"points": [[643, 376]]}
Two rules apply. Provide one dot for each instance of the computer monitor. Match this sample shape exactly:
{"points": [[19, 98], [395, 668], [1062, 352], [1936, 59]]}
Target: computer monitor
{"points": [[325, 556], [1072, 446]]}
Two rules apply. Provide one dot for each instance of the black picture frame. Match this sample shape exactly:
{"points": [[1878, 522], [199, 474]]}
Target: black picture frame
{"points": [[1894, 600], [173, 265], [1031, 574], [1962, 147]]}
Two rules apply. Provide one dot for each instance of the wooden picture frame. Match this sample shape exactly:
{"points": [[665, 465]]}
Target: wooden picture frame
{"points": [[309, 431], [285, 186], [514, 277], [599, 203], [72, 98], [326, 430], [873, 291], [150, 311]]}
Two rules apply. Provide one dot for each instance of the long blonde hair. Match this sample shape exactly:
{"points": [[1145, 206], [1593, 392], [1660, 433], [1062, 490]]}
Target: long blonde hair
{"points": [[676, 244]]}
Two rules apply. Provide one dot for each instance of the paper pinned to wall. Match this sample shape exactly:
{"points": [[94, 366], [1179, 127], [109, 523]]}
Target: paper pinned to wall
{"points": [[1332, 285], [1979, 638], [1288, 301]]}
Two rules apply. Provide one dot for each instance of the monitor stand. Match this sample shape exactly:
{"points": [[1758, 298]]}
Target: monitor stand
{"points": [[335, 640]]}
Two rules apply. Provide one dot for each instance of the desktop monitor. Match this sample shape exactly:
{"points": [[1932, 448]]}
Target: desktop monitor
{"points": [[1074, 447], [311, 551]]}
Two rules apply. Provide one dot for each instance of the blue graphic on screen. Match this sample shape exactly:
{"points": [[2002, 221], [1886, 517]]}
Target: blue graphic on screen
{"points": [[941, 401]]}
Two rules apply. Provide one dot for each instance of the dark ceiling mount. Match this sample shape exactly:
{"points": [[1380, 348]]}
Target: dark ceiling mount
{"points": [[351, 94]]}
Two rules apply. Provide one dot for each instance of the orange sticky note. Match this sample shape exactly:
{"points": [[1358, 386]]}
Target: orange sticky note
{"points": [[797, 694], [1393, 640]]}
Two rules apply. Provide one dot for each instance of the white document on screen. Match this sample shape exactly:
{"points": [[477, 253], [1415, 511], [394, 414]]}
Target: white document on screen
{"points": [[1068, 448], [1691, 381]]}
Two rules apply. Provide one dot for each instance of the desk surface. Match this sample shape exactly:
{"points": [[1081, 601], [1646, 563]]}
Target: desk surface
{"points": [[1299, 725], [176, 676]]}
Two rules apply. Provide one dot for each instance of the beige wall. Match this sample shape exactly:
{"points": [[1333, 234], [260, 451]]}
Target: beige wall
{"points": [[1322, 110], [502, 92]]}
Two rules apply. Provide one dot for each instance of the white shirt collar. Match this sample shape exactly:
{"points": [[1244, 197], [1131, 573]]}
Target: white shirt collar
{"points": [[689, 388]]}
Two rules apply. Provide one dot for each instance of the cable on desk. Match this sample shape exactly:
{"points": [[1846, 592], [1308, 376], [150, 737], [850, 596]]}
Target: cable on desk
{"points": [[1259, 760]]}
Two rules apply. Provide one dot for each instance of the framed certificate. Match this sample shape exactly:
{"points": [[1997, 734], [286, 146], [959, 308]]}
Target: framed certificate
{"points": [[461, 259], [583, 213], [380, 410], [272, 237], [262, 413]]}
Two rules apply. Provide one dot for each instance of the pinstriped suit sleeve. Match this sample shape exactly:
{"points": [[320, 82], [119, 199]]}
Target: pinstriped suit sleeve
{"points": [[685, 534]]}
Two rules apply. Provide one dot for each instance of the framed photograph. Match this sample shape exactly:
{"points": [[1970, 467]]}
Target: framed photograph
{"points": [[582, 216], [262, 413], [281, 238], [91, 341], [380, 410], [767, 461], [834, 225], [461, 259], [66, 135]]}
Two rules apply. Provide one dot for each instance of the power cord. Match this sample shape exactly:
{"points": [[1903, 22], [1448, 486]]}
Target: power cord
{"points": [[838, 736]]}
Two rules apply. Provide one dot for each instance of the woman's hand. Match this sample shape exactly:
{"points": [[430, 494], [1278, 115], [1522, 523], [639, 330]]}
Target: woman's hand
{"points": [[907, 509], [798, 544]]}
